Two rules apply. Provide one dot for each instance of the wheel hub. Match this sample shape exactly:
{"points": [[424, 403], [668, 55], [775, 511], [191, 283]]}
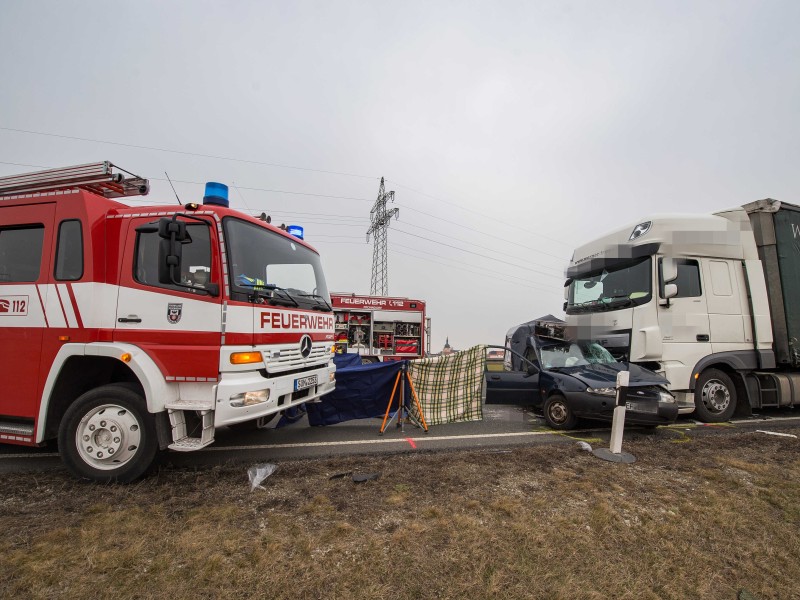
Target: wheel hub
{"points": [[558, 412], [108, 436], [716, 395]]}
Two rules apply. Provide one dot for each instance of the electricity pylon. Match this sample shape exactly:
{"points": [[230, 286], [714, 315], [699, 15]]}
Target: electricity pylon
{"points": [[380, 218]]}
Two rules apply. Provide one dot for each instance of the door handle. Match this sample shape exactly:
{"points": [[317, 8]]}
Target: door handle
{"points": [[703, 337], [129, 319], [494, 377]]}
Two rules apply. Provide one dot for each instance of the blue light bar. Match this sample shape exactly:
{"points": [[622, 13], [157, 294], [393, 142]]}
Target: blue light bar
{"points": [[295, 230], [216, 193]]}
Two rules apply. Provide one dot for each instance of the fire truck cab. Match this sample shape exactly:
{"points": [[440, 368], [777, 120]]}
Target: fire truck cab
{"points": [[125, 330]]}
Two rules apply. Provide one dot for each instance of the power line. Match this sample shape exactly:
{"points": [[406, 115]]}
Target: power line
{"points": [[478, 254], [472, 244], [489, 275], [497, 237], [507, 224], [185, 153]]}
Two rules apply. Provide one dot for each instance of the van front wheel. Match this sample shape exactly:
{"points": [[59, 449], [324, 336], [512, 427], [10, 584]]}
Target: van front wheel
{"points": [[714, 397]]}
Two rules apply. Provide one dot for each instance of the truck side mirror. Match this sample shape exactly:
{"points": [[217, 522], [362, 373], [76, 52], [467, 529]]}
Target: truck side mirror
{"points": [[670, 291], [170, 252], [170, 256], [669, 270]]}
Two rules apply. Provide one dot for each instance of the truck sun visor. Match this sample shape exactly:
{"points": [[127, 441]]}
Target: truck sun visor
{"points": [[611, 257]]}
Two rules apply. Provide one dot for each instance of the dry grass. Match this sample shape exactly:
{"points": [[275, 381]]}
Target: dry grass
{"points": [[702, 518]]}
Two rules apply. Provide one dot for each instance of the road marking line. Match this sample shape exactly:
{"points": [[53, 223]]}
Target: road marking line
{"points": [[414, 446], [428, 438]]}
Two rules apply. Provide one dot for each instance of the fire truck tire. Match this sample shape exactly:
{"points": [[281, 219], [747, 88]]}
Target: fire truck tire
{"points": [[714, 397], [107, 435], [558, 414]]}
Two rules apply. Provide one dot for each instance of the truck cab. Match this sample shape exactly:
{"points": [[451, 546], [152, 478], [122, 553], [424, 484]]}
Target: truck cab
{"points": [[683, 295]]}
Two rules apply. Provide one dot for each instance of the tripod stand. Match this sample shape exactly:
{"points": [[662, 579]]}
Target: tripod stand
{"points": [[402, 377]]}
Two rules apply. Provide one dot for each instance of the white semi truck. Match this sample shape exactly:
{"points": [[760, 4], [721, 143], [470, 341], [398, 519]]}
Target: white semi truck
{"points": [[712, 302]]}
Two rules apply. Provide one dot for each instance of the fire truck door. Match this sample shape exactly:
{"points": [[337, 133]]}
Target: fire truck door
{"points": [[179, 326], [28, 306]]}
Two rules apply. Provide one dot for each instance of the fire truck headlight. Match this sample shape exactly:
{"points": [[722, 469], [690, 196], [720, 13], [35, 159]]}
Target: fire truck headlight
{"points": [[250, 398]]}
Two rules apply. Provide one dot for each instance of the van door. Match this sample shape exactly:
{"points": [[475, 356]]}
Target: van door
{"points": [[28, 306], [684, 323], [179, 326]]}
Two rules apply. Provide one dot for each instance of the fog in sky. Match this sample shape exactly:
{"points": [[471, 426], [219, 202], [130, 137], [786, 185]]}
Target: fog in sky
{"points": [[511, 132]]}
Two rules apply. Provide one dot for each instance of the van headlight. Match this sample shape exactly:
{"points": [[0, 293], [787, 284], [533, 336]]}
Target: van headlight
{"points": [[606, 391], [666, 397], [250, 398]]}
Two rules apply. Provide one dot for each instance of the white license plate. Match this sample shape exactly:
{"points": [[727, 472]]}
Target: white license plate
{"points": [[644, 407], [305, 382]]}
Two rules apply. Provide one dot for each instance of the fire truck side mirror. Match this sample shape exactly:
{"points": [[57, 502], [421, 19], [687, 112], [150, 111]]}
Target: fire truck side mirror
{"points": [[172, 229], [170, 251], [170, 255]]}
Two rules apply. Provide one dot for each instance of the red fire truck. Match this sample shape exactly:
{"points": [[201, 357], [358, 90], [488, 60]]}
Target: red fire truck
{"points": [[125, 330], [380, 327]]}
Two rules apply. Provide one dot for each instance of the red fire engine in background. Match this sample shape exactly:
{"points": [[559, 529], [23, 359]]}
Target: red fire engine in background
{"points": [[128, 329], [380, 327]]}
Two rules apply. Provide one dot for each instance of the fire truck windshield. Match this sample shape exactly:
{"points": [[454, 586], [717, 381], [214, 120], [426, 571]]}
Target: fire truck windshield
{"points": [[612, 289], [265, 264]]}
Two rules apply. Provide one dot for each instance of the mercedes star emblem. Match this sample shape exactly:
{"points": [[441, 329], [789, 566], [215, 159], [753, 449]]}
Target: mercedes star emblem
{"points": [[305, 346]]}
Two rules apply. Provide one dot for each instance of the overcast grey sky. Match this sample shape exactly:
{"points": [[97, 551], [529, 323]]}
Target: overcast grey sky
{"points": [[511, 132]]}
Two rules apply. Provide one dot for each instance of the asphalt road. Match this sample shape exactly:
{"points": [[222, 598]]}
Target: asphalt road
{"points": [[502, 427]]}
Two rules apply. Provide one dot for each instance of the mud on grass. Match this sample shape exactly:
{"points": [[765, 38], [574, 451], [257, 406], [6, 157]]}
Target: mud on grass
{"points": [[692, 518]]}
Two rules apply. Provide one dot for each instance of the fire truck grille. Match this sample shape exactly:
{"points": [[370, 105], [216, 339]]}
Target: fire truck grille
{"points": [[289, 358]]}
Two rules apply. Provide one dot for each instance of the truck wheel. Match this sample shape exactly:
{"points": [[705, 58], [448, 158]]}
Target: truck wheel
{"points": [[714, 397], [107, 435], [558, 414]]}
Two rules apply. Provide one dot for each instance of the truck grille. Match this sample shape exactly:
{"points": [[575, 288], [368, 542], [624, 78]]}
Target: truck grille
{"points": [[288, 358]]}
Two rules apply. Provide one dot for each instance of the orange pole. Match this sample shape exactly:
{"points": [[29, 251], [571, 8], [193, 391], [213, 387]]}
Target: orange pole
{"points": [[391, 399], [416, 399]]}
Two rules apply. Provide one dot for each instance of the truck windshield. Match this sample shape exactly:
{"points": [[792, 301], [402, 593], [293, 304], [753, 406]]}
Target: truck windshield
{"points": [[266, 266], [612, 289], [572, 354]]}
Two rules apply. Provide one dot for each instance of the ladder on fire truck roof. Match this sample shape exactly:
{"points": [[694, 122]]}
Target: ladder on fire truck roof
{"points": [[98, 178]]}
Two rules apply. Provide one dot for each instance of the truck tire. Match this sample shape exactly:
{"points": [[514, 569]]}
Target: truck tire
{"points": [[714, 397], [558, 414], [107, 435]]}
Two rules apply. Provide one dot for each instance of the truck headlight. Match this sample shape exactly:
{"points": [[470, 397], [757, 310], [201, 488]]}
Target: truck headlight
{"points": [[606, 391], [250, 398], [666, 397]]}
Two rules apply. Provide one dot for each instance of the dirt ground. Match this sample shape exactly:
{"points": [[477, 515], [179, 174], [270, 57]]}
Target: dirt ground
{"points": [[697, 516]]}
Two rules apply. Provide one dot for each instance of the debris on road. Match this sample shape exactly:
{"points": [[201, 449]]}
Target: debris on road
{"points": [[258, 473]]}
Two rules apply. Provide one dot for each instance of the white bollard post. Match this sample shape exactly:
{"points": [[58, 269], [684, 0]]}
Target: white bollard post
{"points": [[618, 422], [614, 452]]}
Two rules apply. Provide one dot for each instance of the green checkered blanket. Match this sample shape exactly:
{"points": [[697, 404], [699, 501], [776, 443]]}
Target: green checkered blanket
{"points": [[449, 387]]}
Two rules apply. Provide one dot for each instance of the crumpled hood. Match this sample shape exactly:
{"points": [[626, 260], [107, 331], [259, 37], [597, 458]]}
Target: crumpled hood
{"points": [[605, 375]]}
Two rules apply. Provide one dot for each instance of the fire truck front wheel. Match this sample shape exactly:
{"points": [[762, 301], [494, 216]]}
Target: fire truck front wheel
{"points": [[107, 435]]}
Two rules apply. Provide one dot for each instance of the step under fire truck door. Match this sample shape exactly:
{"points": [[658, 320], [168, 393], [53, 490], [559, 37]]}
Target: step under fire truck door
{"points": [[179, 327], [29, 307]]}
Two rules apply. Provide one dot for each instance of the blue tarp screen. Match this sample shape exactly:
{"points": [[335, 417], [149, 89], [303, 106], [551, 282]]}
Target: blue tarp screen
{"points": [[362, 392]]}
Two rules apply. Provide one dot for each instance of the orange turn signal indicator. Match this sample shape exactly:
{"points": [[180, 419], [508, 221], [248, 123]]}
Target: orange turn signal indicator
{"points": [[126, 358], [246, 358]]}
